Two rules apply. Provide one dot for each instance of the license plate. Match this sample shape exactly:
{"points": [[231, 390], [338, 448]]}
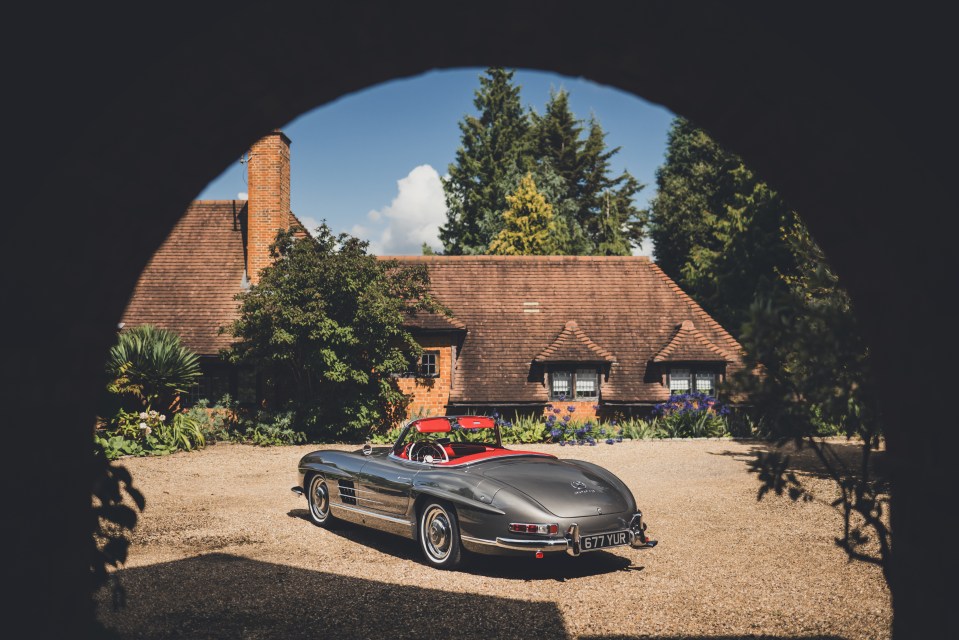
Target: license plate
{"points": [[601, 540]]}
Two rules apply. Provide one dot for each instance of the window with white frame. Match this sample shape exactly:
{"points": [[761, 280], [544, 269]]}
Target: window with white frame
{"points": [[706, 382], [429, 364], [679, 381], [574, 384], [685, 380]]}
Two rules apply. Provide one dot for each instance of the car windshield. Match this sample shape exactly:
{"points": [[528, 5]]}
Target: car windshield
{"points": [[446, 438]]}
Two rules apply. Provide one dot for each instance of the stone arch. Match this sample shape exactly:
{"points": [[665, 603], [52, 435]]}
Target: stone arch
{"points": [[130, 121]]}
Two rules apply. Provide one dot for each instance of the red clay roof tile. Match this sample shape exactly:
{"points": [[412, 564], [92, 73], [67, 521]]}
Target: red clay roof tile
{"points": [[512, 307]]}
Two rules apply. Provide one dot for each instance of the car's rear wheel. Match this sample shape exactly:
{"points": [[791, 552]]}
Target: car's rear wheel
{"points": [[318, 495], [440, 535]]}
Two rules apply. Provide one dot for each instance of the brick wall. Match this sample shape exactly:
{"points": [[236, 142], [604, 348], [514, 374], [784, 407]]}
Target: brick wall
{"points": [[583, 410], [431, 394], [268, 208]]}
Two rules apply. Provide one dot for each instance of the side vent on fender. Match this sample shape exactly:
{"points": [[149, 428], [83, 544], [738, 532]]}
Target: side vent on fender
{"points": [[347, 492]]}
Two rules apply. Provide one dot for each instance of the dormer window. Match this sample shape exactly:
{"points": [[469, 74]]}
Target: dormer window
{"points": [[683, 380], [574, 384]]}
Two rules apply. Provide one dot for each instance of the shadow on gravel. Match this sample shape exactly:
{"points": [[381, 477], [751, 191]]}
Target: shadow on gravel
{"points": [[559, 567], [805, 461], [225, 596]]}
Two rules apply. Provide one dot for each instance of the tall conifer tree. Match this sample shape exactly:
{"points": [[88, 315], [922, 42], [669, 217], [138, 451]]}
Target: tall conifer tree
{"points": [[716, 226], [493, 145], [528, 224]]}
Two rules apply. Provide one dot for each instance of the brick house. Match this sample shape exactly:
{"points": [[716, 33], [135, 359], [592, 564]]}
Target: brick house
{"points": [[608, 332], [613, 333], [215, 251]]}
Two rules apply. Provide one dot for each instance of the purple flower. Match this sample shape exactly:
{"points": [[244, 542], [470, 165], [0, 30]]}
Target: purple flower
{"points": [[593, 443], [609, 441], [595, 407], [562, 443], [580, 432], [549, 406], [557, 411], [556, 433], [495, 413], [565, 418], [613, 423], [562, 397], [602, 431], [571, 408], [619, 438]]}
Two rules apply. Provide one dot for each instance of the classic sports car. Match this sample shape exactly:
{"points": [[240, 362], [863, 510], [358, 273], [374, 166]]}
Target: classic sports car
{"points": [[447, 487]]}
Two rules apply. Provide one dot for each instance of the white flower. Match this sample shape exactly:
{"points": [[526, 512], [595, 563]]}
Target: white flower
{"points": [[162, 417], [143, 425], [143, 415]]}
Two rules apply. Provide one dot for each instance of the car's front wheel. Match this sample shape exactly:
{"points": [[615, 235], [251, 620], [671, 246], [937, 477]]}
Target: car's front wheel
{"points": [[318, 495], [439, 535]]}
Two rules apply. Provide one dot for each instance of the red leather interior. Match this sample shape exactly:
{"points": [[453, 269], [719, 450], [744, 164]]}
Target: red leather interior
{"points": [[493, 453]]}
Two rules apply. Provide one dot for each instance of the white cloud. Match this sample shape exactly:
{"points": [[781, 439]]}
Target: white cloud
{"points": [[414, 216], [310, 223], [644, 249]]}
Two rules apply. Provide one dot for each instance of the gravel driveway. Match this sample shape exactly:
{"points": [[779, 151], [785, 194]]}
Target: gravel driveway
{"points": [[225, 550]]}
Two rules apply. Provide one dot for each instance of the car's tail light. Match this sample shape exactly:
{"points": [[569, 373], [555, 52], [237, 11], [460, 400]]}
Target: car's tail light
{"points": [[523, 527]]}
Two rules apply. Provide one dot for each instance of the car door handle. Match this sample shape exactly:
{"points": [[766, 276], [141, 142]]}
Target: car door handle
{"points": [[405, 480]]}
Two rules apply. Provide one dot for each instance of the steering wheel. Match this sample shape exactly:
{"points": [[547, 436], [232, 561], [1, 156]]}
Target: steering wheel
{"points": [[421, 449]]}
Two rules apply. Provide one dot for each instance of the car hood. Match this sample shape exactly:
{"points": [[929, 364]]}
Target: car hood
{"points": [[563, 487]]}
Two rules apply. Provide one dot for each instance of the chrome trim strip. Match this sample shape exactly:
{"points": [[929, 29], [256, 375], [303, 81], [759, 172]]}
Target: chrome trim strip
{"points": [[365, 499], [371, 514], [532, 545], [491, 543]]}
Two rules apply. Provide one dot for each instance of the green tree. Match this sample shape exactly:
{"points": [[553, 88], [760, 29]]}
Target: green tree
{"points": [[716, 226], [556, 141], [493, 145], [817, 380], [504, 144], [607, 211], [325, 323], [528, 228], [150, 366]]}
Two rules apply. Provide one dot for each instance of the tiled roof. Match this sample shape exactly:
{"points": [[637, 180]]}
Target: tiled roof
{"points": [[689, 345], [573, 345], [190, 282], [514, 307], [433, 322]]}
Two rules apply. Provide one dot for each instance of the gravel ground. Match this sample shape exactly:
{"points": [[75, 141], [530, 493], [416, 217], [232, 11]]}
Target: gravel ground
{"points": [[225, 550]]}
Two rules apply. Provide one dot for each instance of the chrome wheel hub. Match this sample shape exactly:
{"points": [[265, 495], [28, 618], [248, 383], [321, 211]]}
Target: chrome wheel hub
{"points": [[437, 530], [319, 500]]}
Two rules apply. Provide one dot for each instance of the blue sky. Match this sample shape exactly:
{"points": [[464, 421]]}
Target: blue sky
{"points": [[370, 162]]}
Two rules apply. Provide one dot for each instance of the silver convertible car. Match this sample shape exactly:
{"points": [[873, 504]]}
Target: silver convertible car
{"points": [[450, 484]]}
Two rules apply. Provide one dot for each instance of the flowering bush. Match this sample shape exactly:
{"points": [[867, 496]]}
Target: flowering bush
{"points": [[692, 415], [149, 433], [566, 431]]}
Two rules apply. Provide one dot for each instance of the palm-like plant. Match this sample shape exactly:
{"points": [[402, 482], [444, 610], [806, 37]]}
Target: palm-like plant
{"points": [[151, 365]]}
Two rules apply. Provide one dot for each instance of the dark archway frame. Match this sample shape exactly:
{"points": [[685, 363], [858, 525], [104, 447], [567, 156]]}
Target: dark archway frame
{"points": [[117, 125]]}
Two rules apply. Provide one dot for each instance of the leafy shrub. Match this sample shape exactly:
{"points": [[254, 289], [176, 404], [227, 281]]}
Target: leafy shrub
{"points": [[692, 415], [387, 437], [524, 429], [267, 429], [151, 366], [639, 429], [217, 422]]}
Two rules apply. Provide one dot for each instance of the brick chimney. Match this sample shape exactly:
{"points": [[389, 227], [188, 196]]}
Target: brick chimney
{"points": [[268, 204]]}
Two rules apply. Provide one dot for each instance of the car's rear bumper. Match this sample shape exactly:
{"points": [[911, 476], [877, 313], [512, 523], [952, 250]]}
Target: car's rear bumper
{"points": [[570, 542]]}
